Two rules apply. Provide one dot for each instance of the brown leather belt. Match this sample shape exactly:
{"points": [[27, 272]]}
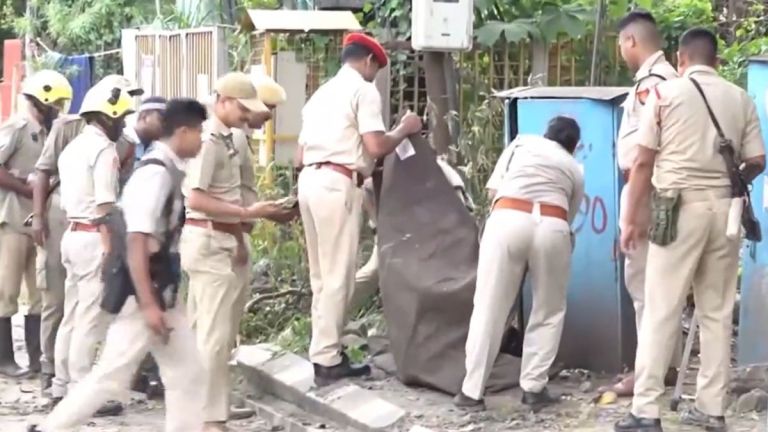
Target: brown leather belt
{"points": [[234, 229], [353, 175], [625, 174], [83, 227], [547, 210]]}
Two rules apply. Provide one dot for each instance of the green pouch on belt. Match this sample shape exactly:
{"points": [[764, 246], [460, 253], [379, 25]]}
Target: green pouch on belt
{"points": [[665, 209]]}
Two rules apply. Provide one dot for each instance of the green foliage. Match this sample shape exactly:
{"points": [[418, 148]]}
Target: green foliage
{"points": [[674, 17], [282, 289], [185, 18], [531, 19], [261, 4], [480, 143], [747, 39], [74, 26]]}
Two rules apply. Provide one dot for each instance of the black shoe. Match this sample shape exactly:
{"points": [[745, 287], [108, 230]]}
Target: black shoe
{"points": [[155, 389], [52, 402], [694, 417], [33, 428], [8, 365], [328, 375], [630, 423], [46, 382], [466, 403], [110, 409], [539, 400], [32, 340]]}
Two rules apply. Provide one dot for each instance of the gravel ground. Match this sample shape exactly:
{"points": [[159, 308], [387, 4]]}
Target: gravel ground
{"points": [[20, 404]]}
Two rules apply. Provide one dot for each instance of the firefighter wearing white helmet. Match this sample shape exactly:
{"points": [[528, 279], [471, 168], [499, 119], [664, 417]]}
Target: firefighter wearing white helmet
{"points": [[21, 141], [89, 170], [48, 226]]}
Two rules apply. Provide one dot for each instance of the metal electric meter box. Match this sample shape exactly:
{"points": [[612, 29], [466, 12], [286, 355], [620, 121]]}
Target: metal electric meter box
{"points": [[599, 332], [442, 25], [753, 306]]}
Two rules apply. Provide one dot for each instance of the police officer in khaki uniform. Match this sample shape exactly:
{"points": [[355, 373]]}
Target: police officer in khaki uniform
{"points": [[678, 155], [21, 141], [271, 94], [529, 226], [640, 45], [48, 226], [212, 244], [151, 208], [89, 173], [342, 133]]}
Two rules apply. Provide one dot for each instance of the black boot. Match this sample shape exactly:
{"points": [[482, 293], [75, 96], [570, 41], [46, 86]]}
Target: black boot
{"points": [[693, 417], [109, 409], [466, 403], [539, 400], [46, 382], [32, 339], [325, 375], [631, 423], [8, 365]]}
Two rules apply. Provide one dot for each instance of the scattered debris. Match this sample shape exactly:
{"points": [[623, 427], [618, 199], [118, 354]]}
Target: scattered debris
{"points": [[755, 400]]}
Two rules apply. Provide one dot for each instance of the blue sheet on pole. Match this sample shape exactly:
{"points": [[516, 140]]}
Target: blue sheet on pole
{"points": [[79, 72]]}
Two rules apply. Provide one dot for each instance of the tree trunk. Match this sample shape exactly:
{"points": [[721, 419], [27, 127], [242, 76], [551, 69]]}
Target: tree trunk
{"points": [[440, 97]]}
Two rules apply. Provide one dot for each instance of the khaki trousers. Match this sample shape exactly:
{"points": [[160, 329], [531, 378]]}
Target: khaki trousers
{"points": [[634, 280], [244, 276], [704, 258], [84, 324], [511, 240], [207, 257], [331, 212], [128, 341], [17, 265], [51, 277], [366, 280]]}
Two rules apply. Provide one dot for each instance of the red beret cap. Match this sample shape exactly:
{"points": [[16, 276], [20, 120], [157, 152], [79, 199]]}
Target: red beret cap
{"points": [[372, 44]]}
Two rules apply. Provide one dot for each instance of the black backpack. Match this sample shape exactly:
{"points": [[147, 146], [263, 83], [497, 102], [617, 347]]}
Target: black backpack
{"points": [[164, 265]]}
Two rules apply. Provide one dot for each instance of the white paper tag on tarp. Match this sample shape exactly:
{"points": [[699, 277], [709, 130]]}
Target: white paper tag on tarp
{"points": [[405, 149]]}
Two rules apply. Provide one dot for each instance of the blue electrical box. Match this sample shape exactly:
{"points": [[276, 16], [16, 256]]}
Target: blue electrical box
{"points": [[753, 315], [599, 332]]}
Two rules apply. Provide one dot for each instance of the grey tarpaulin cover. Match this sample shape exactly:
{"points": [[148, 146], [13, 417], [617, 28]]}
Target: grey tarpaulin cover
{"points": [[428, 247]]}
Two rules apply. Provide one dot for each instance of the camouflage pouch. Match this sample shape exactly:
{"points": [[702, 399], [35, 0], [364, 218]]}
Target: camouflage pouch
{"points": [[665, 209]]}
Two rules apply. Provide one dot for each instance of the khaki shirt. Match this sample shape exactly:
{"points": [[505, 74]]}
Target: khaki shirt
{"points": [[21, 141], [215, 170], [89, 169], [64, 130], [248, 192], [675, 123], [537, 169], [336, 117], [646, 78]]}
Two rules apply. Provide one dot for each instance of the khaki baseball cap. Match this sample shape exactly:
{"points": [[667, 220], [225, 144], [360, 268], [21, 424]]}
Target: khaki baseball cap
{"points": [[238, 85]]}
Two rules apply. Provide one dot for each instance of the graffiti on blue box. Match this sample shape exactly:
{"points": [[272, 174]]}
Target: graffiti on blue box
{"points": [[592, 215]]}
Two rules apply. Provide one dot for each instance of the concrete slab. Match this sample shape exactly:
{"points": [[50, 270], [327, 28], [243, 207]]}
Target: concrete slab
{"points": [[285, 417], [291, 378]]}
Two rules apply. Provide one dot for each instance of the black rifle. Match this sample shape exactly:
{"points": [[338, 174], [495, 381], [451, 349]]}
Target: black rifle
{"points": [[739, 186]]}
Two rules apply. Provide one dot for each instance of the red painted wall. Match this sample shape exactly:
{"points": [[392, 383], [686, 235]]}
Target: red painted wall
{"points": [[13, 71]]}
